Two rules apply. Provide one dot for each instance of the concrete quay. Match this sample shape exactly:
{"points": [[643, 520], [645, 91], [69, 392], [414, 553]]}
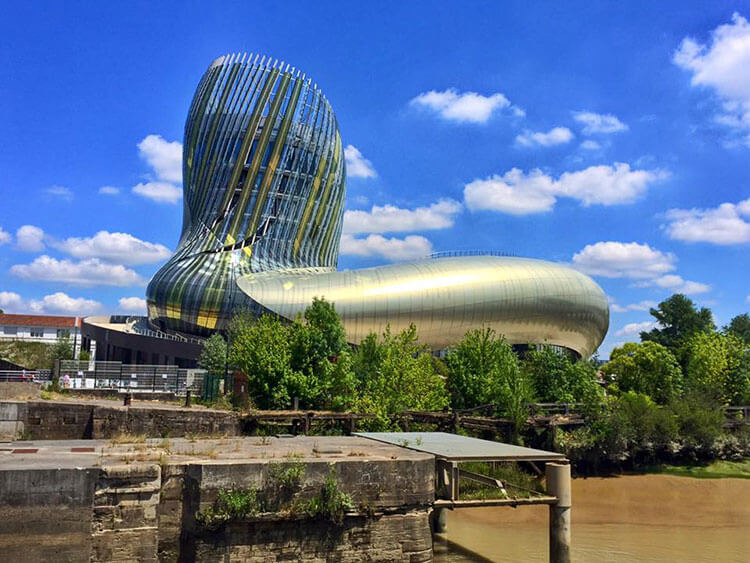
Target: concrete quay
{"points": [[137, 499]]}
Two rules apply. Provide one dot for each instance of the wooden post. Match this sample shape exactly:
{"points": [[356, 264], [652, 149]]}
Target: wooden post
{"points": [[558, 485]]}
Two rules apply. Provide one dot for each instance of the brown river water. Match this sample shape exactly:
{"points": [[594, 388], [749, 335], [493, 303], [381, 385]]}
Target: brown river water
{"points": [[615, 519]]}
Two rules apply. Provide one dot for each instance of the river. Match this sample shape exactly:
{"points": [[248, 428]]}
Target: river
{"points": [[634, 518]]}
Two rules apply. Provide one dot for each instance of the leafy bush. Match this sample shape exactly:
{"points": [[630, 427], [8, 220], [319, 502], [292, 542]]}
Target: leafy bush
{"points": [[231, 504], [331, 503]]}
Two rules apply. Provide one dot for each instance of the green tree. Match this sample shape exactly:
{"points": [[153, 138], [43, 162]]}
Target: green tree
{"points": [[479, 368], [62, 349], [739, 326], [260, 349], [395, 373], [709, 359], [319, 359], [214, 355], [678, 319], [483, 369], [556, 378], [648, 368]]}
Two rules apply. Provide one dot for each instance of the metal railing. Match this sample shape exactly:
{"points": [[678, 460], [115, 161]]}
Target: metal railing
{"points": [[455, 253], [121, 377], [26, 375]]}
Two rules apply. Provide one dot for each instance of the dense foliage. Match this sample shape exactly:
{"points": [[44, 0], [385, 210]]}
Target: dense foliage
{"points": [[656, 400]]}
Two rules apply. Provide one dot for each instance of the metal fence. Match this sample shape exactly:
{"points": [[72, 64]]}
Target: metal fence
{"points": [[26, 375], [74, 374]]}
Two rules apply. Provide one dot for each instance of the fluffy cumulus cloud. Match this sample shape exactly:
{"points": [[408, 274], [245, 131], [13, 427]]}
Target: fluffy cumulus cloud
{"points": [[65, 304], [357, 166], [677, 284], [555, 136], [632, 260], [109, 190], [635, 329], [132, 305], [463, 107], [163, 156], [519, 193], [161, 192], [89, 272], [122, 248], [721, 66], [4, 236], [393, 249], [30, 239], [648, 266], [10, 302], [594, 123], [55, 303], [726, 224], [392, 219]]}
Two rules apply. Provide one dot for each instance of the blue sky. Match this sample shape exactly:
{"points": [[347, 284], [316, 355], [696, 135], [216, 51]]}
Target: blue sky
{"points": [[612, 136]]}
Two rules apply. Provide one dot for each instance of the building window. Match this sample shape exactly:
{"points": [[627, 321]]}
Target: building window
{"points": [[63, 333], [36, 333], [10, 330]]}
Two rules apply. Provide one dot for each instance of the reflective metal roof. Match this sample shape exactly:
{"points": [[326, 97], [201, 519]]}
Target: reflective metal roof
{"points": [[453, 447]]}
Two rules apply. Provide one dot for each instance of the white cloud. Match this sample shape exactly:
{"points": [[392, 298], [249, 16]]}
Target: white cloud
{"points": [[463, 107], [722, 66], [10, 301], [87, 272], [109, 190], [623, 260], [590, 145], [519, 193], [63, 303], [389, 218], [640, 306], [394, 249], [122, 248], [599, 123], [357, 166], [30, 238], [132, 305], [55, 303], [635, 329], [59, 192], [4, 236], [162, 192], [677, 284], [163, 156], [724, 224], [555, 136]]}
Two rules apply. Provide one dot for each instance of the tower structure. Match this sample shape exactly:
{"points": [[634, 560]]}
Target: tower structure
{"points": [[264, 186]]}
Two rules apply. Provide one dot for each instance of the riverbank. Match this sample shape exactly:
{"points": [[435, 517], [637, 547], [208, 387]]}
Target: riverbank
{"points": [[631, 518]]}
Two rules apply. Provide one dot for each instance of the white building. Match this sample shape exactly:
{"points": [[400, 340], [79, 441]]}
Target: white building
{"points": [[41, 328]]}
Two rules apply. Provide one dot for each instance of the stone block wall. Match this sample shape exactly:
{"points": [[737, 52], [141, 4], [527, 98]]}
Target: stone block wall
{"points": [[64, 420]]}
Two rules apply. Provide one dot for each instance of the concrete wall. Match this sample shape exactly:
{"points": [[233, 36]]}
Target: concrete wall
{"points": [[63, 420], [146, 512], [19, 390], [46, 514]]}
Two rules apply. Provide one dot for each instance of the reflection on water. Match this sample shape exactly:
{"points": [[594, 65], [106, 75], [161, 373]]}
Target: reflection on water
{"points": [[625, 519]]}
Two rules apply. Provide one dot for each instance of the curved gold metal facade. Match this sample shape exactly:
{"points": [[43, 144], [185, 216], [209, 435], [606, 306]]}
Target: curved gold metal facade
{"points": [[527, 301]]}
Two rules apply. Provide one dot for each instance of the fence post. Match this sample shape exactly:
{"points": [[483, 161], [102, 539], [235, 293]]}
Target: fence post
{"points": [[153, 381]]}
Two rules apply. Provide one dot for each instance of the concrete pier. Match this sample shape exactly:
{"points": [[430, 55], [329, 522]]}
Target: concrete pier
{"points": [[558, 485]]}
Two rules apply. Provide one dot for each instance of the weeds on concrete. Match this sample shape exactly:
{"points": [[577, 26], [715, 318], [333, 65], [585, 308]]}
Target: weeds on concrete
{"points": [[331, 503], [231, 504], [127, 438]]}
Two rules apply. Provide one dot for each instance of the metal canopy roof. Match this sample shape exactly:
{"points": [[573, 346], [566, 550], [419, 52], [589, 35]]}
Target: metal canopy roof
{"points": [[453, 447]]}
